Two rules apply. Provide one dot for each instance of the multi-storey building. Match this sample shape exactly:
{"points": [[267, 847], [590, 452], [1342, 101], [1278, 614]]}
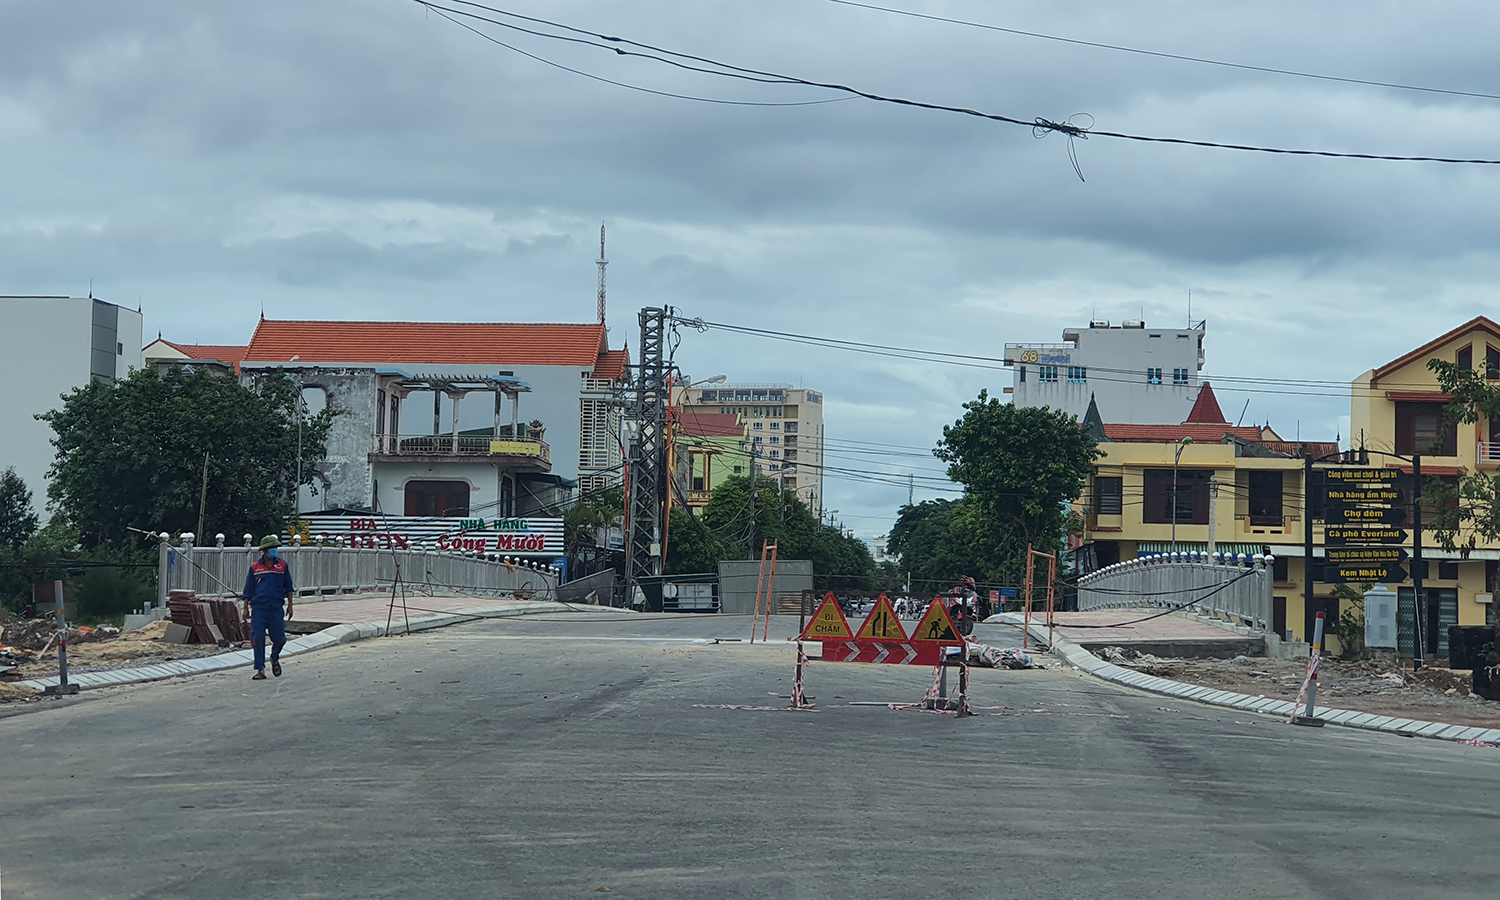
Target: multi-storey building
{"points": [[48, 347], [519, 413], [1135, 374], [1398, 409], [785, 427], [1250, 485], [708, 447]]}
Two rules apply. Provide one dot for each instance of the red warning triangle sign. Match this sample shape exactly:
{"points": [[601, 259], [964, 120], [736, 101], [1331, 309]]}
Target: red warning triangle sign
{"points": [[882, 624], [936, 625], [828, 623]]}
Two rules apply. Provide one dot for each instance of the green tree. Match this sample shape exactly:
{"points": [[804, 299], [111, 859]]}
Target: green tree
{"points": [[594, 511], [734, 527], [18, 521], [131, 454], [939, 540], [1020, 467]]}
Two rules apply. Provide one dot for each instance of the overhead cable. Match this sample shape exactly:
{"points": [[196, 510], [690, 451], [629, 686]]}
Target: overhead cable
{"points": [[1272, 70], [1040, 126]]}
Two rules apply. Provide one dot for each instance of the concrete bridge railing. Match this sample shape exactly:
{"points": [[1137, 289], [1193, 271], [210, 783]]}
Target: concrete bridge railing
{"points": [[1234, 588]]}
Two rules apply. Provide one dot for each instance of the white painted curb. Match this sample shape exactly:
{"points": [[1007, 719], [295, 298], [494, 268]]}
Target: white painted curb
{"points": [[347, 633], [1085, 661]]}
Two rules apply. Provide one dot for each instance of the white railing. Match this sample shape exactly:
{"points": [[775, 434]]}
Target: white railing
{"points": [[1487, 452], [1237, 589], [330, 570]]}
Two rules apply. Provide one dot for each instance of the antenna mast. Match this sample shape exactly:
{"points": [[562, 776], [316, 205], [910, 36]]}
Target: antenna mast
{"points": [[602, 263]]}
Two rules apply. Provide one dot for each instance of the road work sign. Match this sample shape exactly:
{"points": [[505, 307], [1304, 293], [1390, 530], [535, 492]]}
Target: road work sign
{"points": [[936, 625], [881, 624], [828, 623]]}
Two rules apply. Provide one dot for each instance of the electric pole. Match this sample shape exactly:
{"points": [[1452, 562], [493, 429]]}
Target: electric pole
{"points": [[648, 452]]}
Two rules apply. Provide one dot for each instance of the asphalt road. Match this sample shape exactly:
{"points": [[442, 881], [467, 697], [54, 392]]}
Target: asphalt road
{"points": [[553, 756]]}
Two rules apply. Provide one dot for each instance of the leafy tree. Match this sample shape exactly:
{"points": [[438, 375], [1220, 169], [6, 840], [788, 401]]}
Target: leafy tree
{"points": [[18, 521], [732, 527], [594, 511], [939, 540], [131, 454], [1020, 467]]}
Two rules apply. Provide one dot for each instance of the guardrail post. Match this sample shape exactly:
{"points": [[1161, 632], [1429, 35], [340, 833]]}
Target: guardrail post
{"points": [[163, 569]]}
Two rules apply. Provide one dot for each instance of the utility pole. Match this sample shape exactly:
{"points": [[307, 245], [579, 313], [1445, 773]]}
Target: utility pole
{"points": [[1213, 510], [1309, 569], [648, 456], [203, 495], [1418, 566], [911, 488]]}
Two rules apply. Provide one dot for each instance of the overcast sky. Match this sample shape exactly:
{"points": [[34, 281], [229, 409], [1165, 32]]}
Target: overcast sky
{"points": [[372, 160]]}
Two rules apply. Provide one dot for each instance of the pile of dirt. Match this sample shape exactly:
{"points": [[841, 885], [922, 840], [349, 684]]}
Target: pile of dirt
{"points": [[33, 650], [1434, 693]]}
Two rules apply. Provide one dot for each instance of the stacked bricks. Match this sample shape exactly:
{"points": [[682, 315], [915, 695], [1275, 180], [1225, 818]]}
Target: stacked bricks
{"points": [[208, 621]]}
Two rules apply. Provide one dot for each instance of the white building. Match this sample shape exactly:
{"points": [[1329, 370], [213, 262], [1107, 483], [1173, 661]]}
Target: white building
{"points": [[48, 347], [785, 429], [451, 419], [1136, 375]]}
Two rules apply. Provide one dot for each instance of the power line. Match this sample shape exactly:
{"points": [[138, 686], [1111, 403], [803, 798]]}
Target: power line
{"points": [[634, 87], [1040, 126], [1162, 55], [1253, 384]]}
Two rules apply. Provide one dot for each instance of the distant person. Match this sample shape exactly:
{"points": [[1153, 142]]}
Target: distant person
{"points": [[268, 584]]}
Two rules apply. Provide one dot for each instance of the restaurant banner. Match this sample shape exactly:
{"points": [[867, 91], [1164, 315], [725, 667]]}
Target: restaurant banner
{"points": [[506, 536]]}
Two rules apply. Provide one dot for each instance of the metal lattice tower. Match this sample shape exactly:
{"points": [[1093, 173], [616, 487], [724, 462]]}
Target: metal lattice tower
{"points": [[602, 263], [648, 451]]}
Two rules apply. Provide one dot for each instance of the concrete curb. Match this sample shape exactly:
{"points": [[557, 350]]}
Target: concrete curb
{"points": [[346, 633], [1085, 661]]}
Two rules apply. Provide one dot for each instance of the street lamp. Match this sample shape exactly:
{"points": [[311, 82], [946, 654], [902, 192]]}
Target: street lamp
{"points": [[1176, 458]]}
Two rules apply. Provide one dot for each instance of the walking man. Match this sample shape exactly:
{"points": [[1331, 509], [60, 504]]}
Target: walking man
{"points": [[267, 585]]}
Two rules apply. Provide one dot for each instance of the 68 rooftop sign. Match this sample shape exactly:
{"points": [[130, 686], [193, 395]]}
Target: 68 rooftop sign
{"points": [[514, 536]]}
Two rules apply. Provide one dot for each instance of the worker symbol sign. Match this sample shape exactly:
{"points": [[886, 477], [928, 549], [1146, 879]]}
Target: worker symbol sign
{"points": [[828, 623], [936, 625], [881, 624]]}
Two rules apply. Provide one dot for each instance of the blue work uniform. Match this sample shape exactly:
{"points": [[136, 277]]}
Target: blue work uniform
{"points": [[266, 587]]}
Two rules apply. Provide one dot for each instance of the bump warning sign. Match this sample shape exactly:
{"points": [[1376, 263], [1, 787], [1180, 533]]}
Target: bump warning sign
{"points": [[936, 625], [828, 623], [881, 624]]}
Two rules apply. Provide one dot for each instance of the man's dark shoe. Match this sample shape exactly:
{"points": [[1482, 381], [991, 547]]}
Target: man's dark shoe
{"points": [[260, 675], [276, 668]]}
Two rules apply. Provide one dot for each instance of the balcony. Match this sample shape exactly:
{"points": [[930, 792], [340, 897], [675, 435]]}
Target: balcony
{"points": [[526, 448], [1487, 453]]}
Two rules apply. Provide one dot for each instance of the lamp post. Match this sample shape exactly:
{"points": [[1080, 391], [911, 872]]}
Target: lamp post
{"points": [[1176, 458]]}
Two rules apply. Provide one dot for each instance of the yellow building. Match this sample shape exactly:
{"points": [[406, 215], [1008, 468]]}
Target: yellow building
{"points": [[1249, 483], [1240, 487], [1398, 409]]}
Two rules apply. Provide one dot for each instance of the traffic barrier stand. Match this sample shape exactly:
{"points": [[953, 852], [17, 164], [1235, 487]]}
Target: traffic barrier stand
{"points": [[936, 699], [1309, 691], [799, 699]]}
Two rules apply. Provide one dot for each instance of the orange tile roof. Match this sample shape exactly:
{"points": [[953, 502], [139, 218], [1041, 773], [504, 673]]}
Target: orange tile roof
{"points": [[701, 424], [611, 364], [1171, 434], [420, 343], [1206, 409], [229, 353]]}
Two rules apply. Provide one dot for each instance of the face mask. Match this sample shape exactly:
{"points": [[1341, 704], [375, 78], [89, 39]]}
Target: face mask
{"points": [[271, 552]]}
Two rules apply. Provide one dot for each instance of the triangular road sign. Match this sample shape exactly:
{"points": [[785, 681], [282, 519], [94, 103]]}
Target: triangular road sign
{"points": [[936, 625], [881, 624], [828, 623]]}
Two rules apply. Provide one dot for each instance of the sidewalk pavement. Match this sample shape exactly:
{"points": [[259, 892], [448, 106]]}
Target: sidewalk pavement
{"points": [[1082, 659], [447, 611]]}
